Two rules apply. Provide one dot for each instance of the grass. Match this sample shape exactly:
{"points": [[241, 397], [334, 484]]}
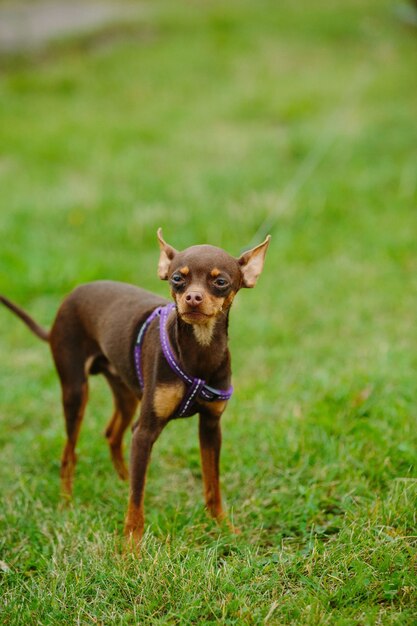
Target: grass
{"points": [[204, 119]]}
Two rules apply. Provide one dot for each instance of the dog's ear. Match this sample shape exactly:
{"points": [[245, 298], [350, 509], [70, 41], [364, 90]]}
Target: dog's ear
{"points": [[166, 256], [251, 263]]}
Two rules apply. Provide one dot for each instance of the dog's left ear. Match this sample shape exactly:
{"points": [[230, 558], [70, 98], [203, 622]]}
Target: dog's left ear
{"points": [[252, 262], [167, 254]]}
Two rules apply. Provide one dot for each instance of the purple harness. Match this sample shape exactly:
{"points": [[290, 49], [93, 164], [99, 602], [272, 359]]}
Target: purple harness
{"points": [[196, 387]]}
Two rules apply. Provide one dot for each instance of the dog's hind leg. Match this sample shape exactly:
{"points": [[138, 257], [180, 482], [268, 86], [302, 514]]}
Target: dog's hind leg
{"points": [[74, 399], [125, 404], [70, 355]]}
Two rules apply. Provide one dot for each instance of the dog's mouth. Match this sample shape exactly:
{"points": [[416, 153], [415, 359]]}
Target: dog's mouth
{"points": [[195, 317]]}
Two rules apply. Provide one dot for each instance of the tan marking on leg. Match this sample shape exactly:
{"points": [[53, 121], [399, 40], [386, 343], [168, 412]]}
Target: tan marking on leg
{"points": [[167, 398], [112, 370], [88, 363], [125, 404], [111, 425], [68, 462], [114, 434], [216, 408], [134, 523]]}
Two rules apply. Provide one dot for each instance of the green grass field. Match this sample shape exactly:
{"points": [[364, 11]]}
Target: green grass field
{"points": [[219, 121]]}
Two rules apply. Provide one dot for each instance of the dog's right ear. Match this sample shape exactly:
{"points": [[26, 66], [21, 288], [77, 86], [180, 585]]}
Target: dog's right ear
{"points": [[167, 254]]}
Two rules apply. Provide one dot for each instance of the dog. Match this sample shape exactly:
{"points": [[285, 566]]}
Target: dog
{"points": [[171, 356]]}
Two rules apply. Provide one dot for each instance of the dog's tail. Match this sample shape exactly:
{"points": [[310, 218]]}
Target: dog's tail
{"points": [[25, 317]]}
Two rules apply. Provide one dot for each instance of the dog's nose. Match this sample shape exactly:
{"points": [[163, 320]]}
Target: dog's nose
{"points": [[194, 298]]}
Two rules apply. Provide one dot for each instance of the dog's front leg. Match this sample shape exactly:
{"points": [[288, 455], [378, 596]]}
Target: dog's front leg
{"points": [[144, 436], [210, 444]]}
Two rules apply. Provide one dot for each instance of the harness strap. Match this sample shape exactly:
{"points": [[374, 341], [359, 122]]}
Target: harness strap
{"points": [[196, 387], [139, 341], [166, 348]]}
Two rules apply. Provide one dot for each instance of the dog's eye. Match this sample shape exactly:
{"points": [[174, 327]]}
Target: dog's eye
{"points": [[221, 282], [177, 279]]}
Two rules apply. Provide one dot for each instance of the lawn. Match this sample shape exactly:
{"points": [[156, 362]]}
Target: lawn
{"points": [[221, 122]]}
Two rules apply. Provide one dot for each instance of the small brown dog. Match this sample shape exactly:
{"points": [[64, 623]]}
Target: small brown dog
{"points": [[172, 357]]}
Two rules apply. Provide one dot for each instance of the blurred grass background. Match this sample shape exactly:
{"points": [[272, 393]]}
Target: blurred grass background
{"points": [[211, 120]]}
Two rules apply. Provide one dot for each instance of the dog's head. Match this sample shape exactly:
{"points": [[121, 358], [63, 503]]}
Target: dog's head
{"points": [[205, 279]]}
